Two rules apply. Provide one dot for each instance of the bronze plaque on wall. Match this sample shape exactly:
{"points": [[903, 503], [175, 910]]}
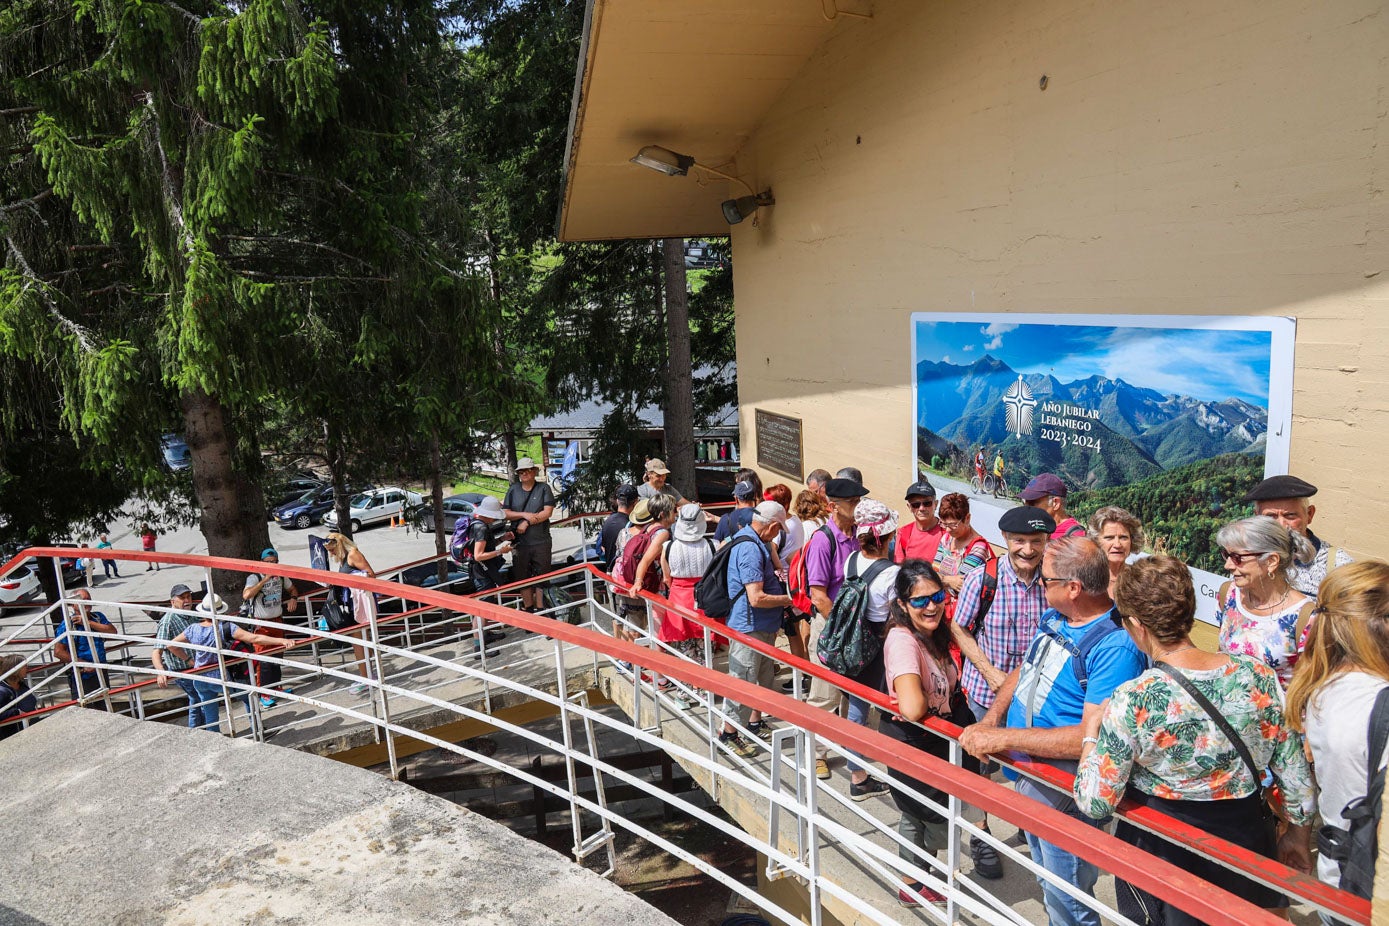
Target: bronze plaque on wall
{"points": [[779, 443]]}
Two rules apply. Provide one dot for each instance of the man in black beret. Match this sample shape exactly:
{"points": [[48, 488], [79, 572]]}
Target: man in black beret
{"points": [[1284, 498]]}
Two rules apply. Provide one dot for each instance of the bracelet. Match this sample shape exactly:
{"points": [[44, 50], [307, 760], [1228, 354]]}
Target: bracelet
{"points": [[1089, 739]]}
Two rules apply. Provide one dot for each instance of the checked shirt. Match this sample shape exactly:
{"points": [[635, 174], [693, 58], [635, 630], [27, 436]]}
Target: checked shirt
{"points": [[1008, 628]]}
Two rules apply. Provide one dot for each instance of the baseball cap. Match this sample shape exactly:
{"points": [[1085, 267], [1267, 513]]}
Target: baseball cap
{"points": [[269, 551], [180, 589], [770, 511], [654, 465], [921, 487], [744, 491], [1043, 484], [626, 493]]}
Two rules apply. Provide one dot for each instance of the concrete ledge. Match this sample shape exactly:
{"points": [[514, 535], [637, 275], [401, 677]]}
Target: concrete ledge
{"points": [[113, 821]]}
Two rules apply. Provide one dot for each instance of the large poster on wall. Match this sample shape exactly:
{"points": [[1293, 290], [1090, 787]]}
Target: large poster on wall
{"points": [[1170, 417]]}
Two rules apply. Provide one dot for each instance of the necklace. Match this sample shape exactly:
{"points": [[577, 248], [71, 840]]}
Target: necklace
{"points": [[1168, 654], [1270, 606]]}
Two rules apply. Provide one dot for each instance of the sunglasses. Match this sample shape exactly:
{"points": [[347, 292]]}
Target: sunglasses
{"points": [[1047, 580], [921, 601], [1239, 558], [917, 506]]}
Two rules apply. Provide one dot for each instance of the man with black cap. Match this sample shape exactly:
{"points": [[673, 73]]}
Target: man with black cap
{"points": [[1284, 498], [920, 538], [826, 552], [993, 627], [623, 500], [171, 625], [1047, 492]]}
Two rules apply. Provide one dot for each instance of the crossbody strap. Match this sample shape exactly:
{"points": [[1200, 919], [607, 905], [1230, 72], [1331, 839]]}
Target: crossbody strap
{"points": [[1378, 736], [1225, 726]]}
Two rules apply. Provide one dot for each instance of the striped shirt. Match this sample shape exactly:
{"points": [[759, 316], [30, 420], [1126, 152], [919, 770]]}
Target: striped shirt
{"points": [[1008, 628]]}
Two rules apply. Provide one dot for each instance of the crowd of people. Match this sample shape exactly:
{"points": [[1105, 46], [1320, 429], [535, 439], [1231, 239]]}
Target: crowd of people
{"points": [[1071, 645]]}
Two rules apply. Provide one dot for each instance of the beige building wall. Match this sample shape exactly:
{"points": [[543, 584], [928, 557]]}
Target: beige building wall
{"points": [[1184, 158]]}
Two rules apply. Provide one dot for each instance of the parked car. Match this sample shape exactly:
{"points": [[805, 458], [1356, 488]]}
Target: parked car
{"points": [[177, 456], [309, 508], [455, 506], [375, 506], [290, 490], [19, 586]]}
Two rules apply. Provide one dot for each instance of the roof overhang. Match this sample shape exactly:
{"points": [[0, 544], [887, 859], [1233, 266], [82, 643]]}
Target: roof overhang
{"points": [[694, 76]]}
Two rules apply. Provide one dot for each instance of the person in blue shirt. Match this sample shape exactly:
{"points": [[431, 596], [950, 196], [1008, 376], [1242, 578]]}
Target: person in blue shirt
{"points": [[1043, 704], [746, 495], [759, 599], [82, 619]]}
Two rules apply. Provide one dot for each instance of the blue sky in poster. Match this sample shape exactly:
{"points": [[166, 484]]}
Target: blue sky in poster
{"points": [[1206, 364]]}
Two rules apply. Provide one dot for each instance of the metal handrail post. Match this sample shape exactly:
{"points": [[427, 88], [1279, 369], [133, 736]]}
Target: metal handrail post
{"points": [[812, 834], [382, 696], [221, 655], [953, 836]]}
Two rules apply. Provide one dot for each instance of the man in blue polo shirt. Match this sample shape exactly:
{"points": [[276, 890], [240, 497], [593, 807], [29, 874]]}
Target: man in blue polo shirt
{"points": [[88, 648], [1074, 663], [758, 599]]}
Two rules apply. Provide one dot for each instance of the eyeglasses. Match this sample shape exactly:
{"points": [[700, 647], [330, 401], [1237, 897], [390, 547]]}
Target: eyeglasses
{"points": [[917, 506], [1046, 580], [922, 601], [950, 525], [1239, 558]]}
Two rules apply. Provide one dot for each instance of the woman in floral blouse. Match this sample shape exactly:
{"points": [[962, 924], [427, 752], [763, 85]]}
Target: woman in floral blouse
{"points": [[1261, 614], [1156, 739]]}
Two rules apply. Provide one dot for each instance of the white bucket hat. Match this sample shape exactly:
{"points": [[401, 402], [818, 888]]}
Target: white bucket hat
{"points": [[690, 525], [489, 507]]}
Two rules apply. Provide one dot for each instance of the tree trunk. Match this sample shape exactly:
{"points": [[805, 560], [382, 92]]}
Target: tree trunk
{"points": [[232, 504], [494, 284], [509, 441], [337, 472], [436, 479], [679, 393]]}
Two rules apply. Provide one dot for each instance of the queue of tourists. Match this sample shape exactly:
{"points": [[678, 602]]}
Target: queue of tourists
{"points": [[1071, 645]]}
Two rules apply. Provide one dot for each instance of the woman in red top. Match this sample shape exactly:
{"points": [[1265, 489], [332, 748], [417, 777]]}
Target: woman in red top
{"points": [[920, 538], [147, 544]]}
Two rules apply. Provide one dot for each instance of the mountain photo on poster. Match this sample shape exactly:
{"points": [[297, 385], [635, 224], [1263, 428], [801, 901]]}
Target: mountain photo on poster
{"points": [[1137, 413]]}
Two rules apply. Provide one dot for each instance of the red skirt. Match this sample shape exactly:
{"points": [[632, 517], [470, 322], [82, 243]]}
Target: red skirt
{"points": [[674, 626]]}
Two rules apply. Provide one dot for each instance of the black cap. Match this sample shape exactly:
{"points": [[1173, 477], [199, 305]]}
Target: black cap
{"points": [[844, 488], [1280, 487], [921, 487], [744, 491], [1025, 520], [180, 589], [626, 493]]}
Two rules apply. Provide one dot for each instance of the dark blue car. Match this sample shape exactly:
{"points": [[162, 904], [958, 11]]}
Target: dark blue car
{"points": [[309, 508]]}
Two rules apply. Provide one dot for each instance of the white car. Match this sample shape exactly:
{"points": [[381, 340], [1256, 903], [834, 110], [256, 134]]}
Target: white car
{"points": [[376, 505], [20, 585]]}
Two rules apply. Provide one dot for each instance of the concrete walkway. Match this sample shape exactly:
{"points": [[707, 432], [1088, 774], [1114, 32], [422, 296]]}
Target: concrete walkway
{"points": [[150, 824]]}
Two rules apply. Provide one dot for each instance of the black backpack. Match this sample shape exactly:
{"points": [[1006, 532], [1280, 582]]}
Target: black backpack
{"points": [[847, 644], [1356, 848], [711, 591]]}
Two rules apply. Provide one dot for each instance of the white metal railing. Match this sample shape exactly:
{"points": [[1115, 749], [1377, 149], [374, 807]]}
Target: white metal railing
{"points": [[423, 661]]}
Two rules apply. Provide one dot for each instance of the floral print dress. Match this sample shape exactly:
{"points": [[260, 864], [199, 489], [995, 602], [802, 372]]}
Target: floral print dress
{"points": [[1272, 639], [1156, 738]]}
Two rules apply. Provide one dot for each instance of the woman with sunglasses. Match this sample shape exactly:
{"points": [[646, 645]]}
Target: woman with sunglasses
{"points": [[1200, 759], [1260, 613], [920, 681]]}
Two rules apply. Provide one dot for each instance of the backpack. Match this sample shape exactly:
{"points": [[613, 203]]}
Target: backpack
{"points": [[460, 548], [711, 591], [799, 589], [1081, 651], [1356, 848], [847, 644], [632, 552]]}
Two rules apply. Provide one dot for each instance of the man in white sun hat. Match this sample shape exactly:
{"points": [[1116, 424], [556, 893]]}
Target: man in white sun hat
{"points": [[529, 505]]}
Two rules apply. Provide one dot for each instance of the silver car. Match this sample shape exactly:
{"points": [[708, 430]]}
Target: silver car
{"points": [[375, 506]]}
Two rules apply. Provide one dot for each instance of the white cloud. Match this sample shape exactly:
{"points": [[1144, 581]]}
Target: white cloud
{"points": [[1204, 364], [945, 359], [968, 348], [995, 332]]}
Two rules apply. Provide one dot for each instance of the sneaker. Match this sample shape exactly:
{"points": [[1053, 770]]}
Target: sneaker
{"points": [[986, 861], [928, 895], [869, 787], [477, 651], [761, 729], [267, 702], [822, 769], [789, 686], [494, 636], [359, 689], [736, 744]]}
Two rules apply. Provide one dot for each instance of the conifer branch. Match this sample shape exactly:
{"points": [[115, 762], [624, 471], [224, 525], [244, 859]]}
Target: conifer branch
{"points": [[31, 280]]}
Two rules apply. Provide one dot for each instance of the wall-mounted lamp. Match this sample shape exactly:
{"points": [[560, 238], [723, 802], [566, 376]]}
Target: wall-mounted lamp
{"points": [[674, 164]]}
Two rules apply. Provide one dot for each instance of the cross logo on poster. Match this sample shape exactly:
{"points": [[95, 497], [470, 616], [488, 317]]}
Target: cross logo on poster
{"points": [[1019, 402]]}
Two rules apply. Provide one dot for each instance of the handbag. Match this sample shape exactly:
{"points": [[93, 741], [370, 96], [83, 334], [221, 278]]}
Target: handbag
{"points": [[1269, 818], [337, 615]]}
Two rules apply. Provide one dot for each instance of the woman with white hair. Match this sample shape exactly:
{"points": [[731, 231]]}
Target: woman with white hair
{"points": [[1260, 613]]}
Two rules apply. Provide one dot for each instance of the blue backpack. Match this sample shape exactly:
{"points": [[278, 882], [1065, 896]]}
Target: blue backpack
{"points": [[1080, 651]]}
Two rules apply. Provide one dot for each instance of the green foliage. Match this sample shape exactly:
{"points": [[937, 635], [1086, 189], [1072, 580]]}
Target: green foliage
{"points": [[1183, 508]]}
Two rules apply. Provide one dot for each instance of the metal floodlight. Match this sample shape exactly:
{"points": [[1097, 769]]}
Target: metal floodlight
{"points": [[668, 162], [735, 210]]}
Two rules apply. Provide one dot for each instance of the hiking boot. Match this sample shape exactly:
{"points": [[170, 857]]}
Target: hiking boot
{"points": [[986, 861], [761, 729], [928, 895], [735, 744], [822, 769], [869, 787]]}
